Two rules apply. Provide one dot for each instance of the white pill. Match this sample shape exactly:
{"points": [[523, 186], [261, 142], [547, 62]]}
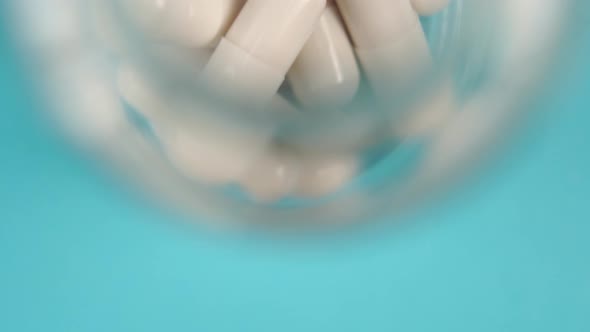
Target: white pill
{"points": [[251, 62], [213, 150], [325, 174], [192, 23], [376, 23], [282, 172], [429, 115], [396, 66], [274, 176], [94, 115], [429, 7], [325, 74], [202, 146], [389, 41]]}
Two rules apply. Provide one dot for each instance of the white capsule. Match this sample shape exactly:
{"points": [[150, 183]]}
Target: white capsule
{"points": [[394, 67], [236, 77], [211, 149], [325, 74], [429, 115], [274, 176], [203, 146], [94, 114], [377, 23], [251, 62], [325, 174], [139, 88], [429, 7], [284, 172], [192, 23], [389, 41], [394, 53]]}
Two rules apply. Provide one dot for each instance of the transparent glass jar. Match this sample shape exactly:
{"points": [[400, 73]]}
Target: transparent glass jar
{"points": [[228, 150]]}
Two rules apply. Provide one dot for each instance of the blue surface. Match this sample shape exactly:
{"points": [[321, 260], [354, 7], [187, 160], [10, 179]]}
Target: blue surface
{"points": [[509, 252]]}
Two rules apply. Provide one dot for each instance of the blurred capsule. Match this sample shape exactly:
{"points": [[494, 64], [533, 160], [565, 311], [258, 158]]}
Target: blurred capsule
{"points": [[376, 23], [325, 174], [389, 42], [325, 73], [212, 151], [191, 23], [273, 177], [203, 146], [251, 61], [428, 115], [94, 115]]}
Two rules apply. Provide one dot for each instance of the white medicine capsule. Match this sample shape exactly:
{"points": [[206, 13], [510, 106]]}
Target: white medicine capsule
{"points": [[202, 147], [429, 7], [274, 176], [251, 61], [429, 115], [276, 173], [190, 23], [282, 172], [94, 115], [389, 42], [325, 174], [325, 74], [211, 150]]}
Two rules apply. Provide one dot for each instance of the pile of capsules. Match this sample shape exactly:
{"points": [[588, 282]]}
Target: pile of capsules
{"points": [[243, 52]]}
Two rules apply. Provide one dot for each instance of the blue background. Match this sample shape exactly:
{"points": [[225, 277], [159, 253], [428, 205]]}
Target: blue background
{"points": [[507, 252]]}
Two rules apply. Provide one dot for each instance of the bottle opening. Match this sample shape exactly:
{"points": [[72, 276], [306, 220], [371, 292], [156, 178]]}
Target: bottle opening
{"points": [[290, 110]]}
